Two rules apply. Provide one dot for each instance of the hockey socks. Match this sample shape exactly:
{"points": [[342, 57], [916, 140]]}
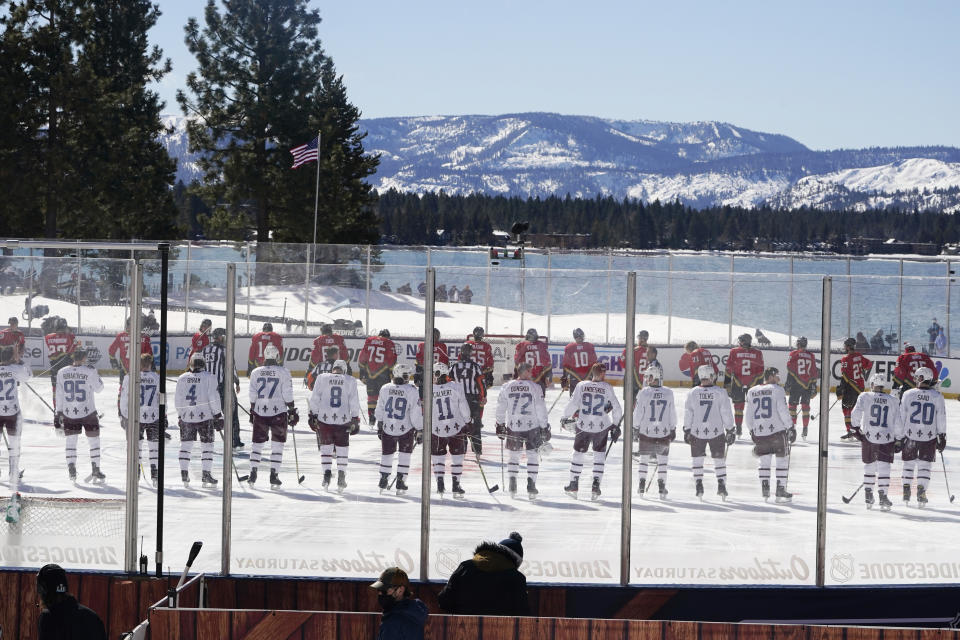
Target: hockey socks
{"points": [[342, 458], [94, 442], [276, 455], [326, 457], [71, 448], [256, 454], [206, 457], [533, 464], [576, 465], [13, 453], [805, 408], [738, 415], [186, 448], [783, 468]]}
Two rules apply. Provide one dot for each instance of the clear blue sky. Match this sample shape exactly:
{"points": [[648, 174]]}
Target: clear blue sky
{"points": [[831, 74]]}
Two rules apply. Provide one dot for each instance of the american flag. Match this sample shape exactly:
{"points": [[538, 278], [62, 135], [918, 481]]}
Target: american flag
{"points": [[305, 153]]}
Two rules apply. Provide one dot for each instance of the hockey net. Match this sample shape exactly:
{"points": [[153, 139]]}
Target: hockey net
{"points": [[74, 517], [504, 345]]}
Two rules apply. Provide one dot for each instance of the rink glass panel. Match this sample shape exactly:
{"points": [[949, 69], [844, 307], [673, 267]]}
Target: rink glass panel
{"points": [[79, 526], [907, 545]]}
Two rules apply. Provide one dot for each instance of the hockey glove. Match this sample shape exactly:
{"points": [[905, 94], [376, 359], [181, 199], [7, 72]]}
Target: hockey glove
{"points": [[754, 437], [355, 426], [607, 408], [115, 364], [293, 417], [313, 422], [380, 429], [545, 434], [898, 445], [501, 430], [858, 434], [814, 390], [941, 442], [687, 436], [419, 436], [731, 436], [250, 415], [615, 434], [218, 422], [792, 434], [564, 382], [673, 435], [488, 379], [567, 423]]}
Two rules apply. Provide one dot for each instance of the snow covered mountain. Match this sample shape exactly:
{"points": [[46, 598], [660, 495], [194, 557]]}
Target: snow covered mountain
{"points": [[701, 163]]}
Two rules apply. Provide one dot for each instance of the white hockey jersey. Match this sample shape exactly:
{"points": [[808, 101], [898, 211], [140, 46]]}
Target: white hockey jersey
{"points": [[75, 389], [707, 412], [520, 406], [271, 388], [11, 375], [590, 399], [197, 398], [149, 397], [655, 414], [334, 399], [450, 409], [878, 416], [399, 409], [923, 415], [766, 410]]}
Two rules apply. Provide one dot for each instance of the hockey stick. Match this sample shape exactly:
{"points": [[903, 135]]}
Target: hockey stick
{"points": [[847, 500], [943, 465], [555, 401], [502, 481], [484, 475], [813, 416], [296, 457], [239, 477], [36, 393]]}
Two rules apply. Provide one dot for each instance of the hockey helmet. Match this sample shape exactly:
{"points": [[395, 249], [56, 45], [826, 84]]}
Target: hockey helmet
{"points": [[850, 343], [61, 325], [598, 370], [653, 375], [326, 329], [402, 371], [908, 348], [267, 326], [79, 355], [770, 372], [197, 362], [270, 352], [532, 335], [331, 352], [578, 334], [341, 365], [6, 354], [924, 374], [466, 351], [877, 380], [745, 340], [643, 335], [478, 333], [440, 369], [802, 342], [384, 333], [218, 333], [706, 372], [436, 334]]}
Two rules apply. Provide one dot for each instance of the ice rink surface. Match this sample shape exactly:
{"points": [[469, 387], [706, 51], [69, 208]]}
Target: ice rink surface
{"points": [[304, 530]]}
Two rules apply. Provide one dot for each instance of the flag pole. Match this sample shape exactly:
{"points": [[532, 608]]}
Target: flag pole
{"points": [[316, 202]]}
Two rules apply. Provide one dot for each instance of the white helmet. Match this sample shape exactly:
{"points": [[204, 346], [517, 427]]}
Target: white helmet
{"points": [[923, 374], [403, 371], [706, 372], [339, 364], [877, 379], [197, 363], [440, 369], [270, 352], [653, 373]]}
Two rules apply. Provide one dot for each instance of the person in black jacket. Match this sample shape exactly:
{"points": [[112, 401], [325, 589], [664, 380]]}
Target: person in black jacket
{"points": [[404, 616], [63, 617], [490, 583]]}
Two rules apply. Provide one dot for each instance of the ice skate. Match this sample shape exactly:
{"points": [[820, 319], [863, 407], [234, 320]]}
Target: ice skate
{"points": [[154, 475], [275, 482], [848, 436], [458, 491], [72, 471], [868, 497], [572, 488], [699, 489], [722, 489], [341, 481], [327, 476], [440, 487], [782, 494], [765, 489], [906, 493], [662, 489], [739, 431], [401, 484], [921, 497], [185, 477], [96, 476], [885, 503], [642, 487], [252, 479], [384, 477], [595, 490], [532, 489], [512, 483], [803, 434], [208, 481]]}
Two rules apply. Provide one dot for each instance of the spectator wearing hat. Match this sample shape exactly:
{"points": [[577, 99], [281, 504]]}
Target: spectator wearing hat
{"points": [[490, 583], [63, 616], [404, 616]]}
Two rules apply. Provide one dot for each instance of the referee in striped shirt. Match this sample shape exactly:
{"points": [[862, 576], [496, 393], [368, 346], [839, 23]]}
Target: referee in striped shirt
{"points": [[214, 355], [469, 375]]}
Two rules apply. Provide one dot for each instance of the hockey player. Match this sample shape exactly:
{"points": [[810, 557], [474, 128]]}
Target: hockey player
{"points": [[640, 359], [876, 423], [744, 369], [323, 342], [149, 411], [377, 357], [439, 355], [907, 364], [482, 354], [924, 424], [77, 411], [708, 420], [451, 415], [215, 357], [655, 422], [469, 376], [693, 358], [802, 376], [259, 342], [13, 336], [399, 425], [272, 411], [534, 351], [201, 338], [119, 348], [334, 417], [324, 366], [854, 367], [598, 414], [198, 406], [60, 347], [11, 375], [578, 357], [522, 422], [772, 431]]}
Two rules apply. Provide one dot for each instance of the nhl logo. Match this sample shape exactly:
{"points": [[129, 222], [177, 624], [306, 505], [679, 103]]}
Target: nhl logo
{"points": [[841, 567], [447, 560]]}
